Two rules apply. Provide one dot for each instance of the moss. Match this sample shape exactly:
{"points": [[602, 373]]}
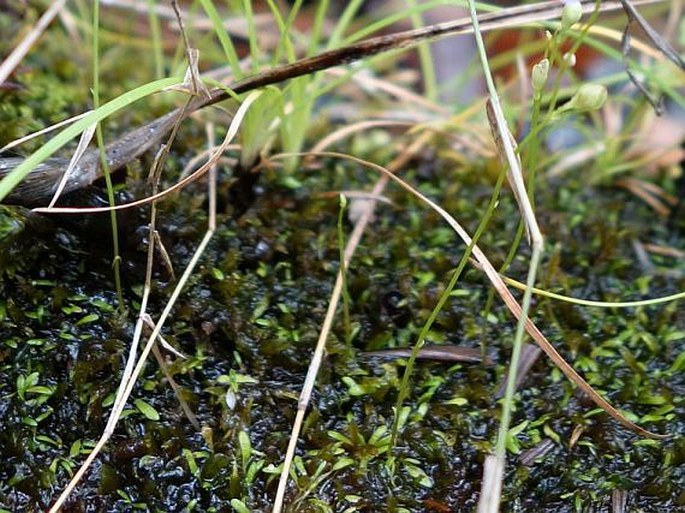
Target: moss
{"points": [[252, 314]]}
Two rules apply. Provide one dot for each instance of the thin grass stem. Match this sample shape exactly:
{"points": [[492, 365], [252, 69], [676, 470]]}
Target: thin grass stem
{"points": [[343, 271], [156, 36], [317, 26], [404, 386], [224, 37], [430, 81]]}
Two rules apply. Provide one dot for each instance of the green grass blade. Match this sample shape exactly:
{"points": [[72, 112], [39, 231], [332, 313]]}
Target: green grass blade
{"points": [[319, 18], [344, 21], [343, 272], [430, 82], [284, 27], [116, 256], [156, 36], [252, 35], [425, 329], [222, 34]]}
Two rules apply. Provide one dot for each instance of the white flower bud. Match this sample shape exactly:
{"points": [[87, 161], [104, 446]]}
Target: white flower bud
{"points": [[588, 97], [539, 75], [570, 59], [571, 13]]}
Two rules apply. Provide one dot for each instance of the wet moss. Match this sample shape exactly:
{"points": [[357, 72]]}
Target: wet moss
{"points": [[248, 322], [252, 314]]}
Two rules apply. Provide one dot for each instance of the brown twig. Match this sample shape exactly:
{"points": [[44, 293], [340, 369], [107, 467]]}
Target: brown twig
{"points": [[634, 17]]}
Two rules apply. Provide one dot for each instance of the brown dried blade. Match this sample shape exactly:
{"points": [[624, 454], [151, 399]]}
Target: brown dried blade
{"points": [[444, 353]]}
